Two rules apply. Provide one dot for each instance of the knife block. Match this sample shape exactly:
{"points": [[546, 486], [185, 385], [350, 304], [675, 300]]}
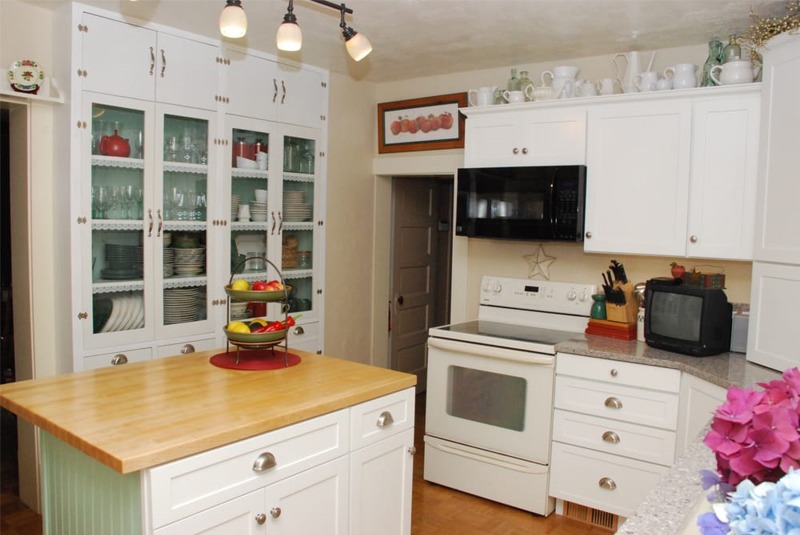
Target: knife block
{"points": [[623, 313]]}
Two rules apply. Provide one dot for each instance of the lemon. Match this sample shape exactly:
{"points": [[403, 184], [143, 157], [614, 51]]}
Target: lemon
{"points": [[258, 321], [237, 327], [240, 285]]}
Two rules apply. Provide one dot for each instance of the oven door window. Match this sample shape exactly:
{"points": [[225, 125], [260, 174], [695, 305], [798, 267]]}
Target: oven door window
{"points": [[487, 397]]}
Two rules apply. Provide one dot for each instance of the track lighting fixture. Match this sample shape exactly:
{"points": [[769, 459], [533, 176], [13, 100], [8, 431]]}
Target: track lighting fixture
{"points": [[233, 23]]}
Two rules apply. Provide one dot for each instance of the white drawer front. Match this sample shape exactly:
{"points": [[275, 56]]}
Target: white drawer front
{"points": [[379, 418], [634, 405], [611, 436], [599, 480], [196, 483], [117, 358], [305, 337], [620, 373], [186, 348]]}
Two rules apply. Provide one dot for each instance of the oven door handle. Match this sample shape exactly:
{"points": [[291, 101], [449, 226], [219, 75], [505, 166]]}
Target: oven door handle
{"points": [[491, 351], [481, 458]]}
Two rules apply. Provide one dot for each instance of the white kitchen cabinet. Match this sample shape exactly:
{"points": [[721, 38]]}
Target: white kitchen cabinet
{"points": [[240, 516], [699, 400], [509, 136], [127, 60], [637, 183], [774, 313], [724, 173], [259, 87], [614, 431], [381, 465]]}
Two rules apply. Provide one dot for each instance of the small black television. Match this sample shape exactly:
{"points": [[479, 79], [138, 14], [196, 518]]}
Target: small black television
{"points": [[687, 319]]}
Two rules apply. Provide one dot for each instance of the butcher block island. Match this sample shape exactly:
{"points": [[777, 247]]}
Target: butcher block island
{"points": [[180, 446]]}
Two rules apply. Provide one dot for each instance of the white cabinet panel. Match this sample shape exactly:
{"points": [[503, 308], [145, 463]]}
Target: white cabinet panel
{"points": [[251, 85], [699, 400], [239, 516], [188, 72], [724, 177], [301, 98], [774, 315], [638, 177]]}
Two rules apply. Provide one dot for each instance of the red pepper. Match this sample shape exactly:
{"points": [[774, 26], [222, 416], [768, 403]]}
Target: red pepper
{"points": [[274, 327], [289, 322]]}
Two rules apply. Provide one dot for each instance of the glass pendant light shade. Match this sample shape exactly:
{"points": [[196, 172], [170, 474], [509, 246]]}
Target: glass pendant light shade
{"points": [[357, 45], [289, 37], [233, 20]]}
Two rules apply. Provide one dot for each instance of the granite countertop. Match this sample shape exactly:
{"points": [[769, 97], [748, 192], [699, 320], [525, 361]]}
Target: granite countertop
{"points": [[671, 506]]}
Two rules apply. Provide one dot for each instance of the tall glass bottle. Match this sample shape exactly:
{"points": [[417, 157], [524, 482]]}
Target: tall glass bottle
{"points": [[714, 58], [732, 51], [524, 82], [513, 82]]}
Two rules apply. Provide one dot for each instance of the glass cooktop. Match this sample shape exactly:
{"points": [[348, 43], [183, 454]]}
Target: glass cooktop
{"points": [[473, 331]]}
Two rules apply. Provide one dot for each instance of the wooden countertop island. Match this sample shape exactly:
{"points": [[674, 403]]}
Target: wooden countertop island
{"points": [[141, 415], [179, 446]]}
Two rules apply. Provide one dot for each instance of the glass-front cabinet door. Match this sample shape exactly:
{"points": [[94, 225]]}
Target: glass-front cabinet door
{"points": [[117, 244], [184, 248]]}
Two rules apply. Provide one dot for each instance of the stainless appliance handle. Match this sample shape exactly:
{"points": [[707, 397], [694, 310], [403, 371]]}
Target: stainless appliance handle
{"points": [[480, 458], [492, 352]]}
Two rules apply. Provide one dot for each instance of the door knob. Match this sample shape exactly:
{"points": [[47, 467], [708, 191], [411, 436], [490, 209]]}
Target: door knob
{"points": [[400, 300]]}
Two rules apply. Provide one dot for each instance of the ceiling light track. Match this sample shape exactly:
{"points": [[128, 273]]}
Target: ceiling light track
{"points": [[233, 24]]}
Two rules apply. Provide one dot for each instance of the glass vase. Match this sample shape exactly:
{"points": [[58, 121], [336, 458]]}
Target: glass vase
{"points": [[714, 58]]}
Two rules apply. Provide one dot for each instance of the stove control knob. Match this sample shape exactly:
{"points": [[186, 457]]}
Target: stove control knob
{"points": [[497, 288], [584, 296], [487, 285], [572, 294]]}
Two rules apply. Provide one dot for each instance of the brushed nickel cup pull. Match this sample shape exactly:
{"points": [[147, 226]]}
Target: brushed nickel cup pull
{"points": [[299, 330], [119, 359], [275, 512], [607, 483], [186, 349], [613, 403], [385, 419], [264, 462], [261, 518], [611, 437]]}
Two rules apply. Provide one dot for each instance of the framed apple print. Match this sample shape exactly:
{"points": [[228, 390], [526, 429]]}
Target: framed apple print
{"points": [[428, 123]]}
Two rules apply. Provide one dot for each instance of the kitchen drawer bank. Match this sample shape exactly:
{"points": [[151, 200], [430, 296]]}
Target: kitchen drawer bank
{"points": [[177, 445]]}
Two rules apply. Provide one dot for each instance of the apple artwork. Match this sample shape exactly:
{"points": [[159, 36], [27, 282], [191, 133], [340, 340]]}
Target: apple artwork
{"points": [[447, 120]]}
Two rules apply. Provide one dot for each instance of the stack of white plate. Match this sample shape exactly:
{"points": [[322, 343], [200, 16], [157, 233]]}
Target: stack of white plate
{"points": [[239, 310], [258, 211], [127, 313], [181, 305], [167, 239], [295, 207], [190, 262], [235, 201], [123, 262], [169, 261]]}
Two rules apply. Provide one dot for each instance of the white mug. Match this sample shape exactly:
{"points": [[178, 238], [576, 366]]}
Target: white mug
{"points": [[513, 97], [484, 96], [646, 81]]}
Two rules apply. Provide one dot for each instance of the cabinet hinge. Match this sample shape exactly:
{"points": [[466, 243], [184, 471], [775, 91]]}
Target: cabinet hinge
{"points": [[83, 28], [319, 291], [83, 315], [323, 84], [82, 220]]}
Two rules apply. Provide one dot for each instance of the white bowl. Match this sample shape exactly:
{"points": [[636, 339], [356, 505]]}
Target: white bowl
{"points": [[246, 163]]}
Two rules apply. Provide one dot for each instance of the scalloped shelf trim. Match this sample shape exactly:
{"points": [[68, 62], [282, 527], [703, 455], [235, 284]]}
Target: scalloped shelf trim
{"points": [[117, 224], [249, 225], [181, 167], [116, 161], [185, 282], [196, 226], [118, 286], [249, 173], [298, 177]]}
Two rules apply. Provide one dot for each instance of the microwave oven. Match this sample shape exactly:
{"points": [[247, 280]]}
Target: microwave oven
{"points": [[522, 203], [687, 319]]}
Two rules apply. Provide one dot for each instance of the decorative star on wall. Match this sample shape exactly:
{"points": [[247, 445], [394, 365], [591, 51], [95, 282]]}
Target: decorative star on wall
{"points": [[539, 263]]}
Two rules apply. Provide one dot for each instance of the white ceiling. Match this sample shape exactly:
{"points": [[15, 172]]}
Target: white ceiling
{"points": [[413, 38]]}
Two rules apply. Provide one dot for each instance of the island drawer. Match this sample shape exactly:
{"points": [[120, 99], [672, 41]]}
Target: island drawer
{"points": [[611, 436], [619, 373], [618, 402], [380, 418], [186, 348], [117, 358], [196, 483], [599, 480]]}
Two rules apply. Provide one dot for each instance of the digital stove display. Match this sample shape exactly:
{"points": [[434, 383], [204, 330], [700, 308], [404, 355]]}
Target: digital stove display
{"points": [[534, 289]]}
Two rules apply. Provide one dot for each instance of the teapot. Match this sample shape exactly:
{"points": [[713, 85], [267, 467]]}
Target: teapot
{"points": [[633, 68], [484, 96], [115, 146], [734, 72]]}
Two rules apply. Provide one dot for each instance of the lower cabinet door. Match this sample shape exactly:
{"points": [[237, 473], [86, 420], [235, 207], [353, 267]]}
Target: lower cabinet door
{"points": [[380, 486], [244, 515], [314, 502], [607, 482]]}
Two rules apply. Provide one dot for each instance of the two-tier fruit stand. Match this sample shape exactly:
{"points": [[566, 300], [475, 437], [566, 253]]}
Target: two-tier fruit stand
{"points": [[256, 341]]}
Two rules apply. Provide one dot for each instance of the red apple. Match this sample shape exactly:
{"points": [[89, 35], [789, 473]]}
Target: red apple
{"points": [[395, 127], [259, 286]]}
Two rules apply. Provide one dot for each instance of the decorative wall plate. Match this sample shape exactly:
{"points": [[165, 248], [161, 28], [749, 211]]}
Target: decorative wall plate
{"points": [[25, 76]]}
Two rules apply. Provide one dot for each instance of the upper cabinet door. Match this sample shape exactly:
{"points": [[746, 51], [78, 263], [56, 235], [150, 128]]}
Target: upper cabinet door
{"points": [[187, 72], [777, 216], [118, 58], [300, 101], [251, 86], [723, 178], [637, 179]]}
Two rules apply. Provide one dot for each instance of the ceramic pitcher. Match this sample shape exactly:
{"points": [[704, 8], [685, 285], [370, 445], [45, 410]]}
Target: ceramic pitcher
{"points": [[483, 96], [628, 70]]}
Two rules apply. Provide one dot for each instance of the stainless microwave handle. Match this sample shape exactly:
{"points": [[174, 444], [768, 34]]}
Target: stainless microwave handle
{"points": [[553, 202], [491, 351]]}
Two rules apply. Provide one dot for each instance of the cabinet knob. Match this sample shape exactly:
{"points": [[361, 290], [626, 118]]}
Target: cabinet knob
{"points": [[613, 403], [614, 372], [611, 437], [385, 419], [412, 450], [261, 518], [588, 235], [119, 359], [275, 512], [693, 239], [515, 150], [265, 461], [524, 150], [607, 483], [186, 349]]}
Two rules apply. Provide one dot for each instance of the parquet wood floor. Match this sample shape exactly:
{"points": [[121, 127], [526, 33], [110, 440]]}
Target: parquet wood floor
{"points": [[436, 510]]}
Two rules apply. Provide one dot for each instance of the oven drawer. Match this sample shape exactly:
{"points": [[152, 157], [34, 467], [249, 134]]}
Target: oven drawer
{"points": [[599, 480], [380, 418], [618, 402], [619, 373], [619, 438]]}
